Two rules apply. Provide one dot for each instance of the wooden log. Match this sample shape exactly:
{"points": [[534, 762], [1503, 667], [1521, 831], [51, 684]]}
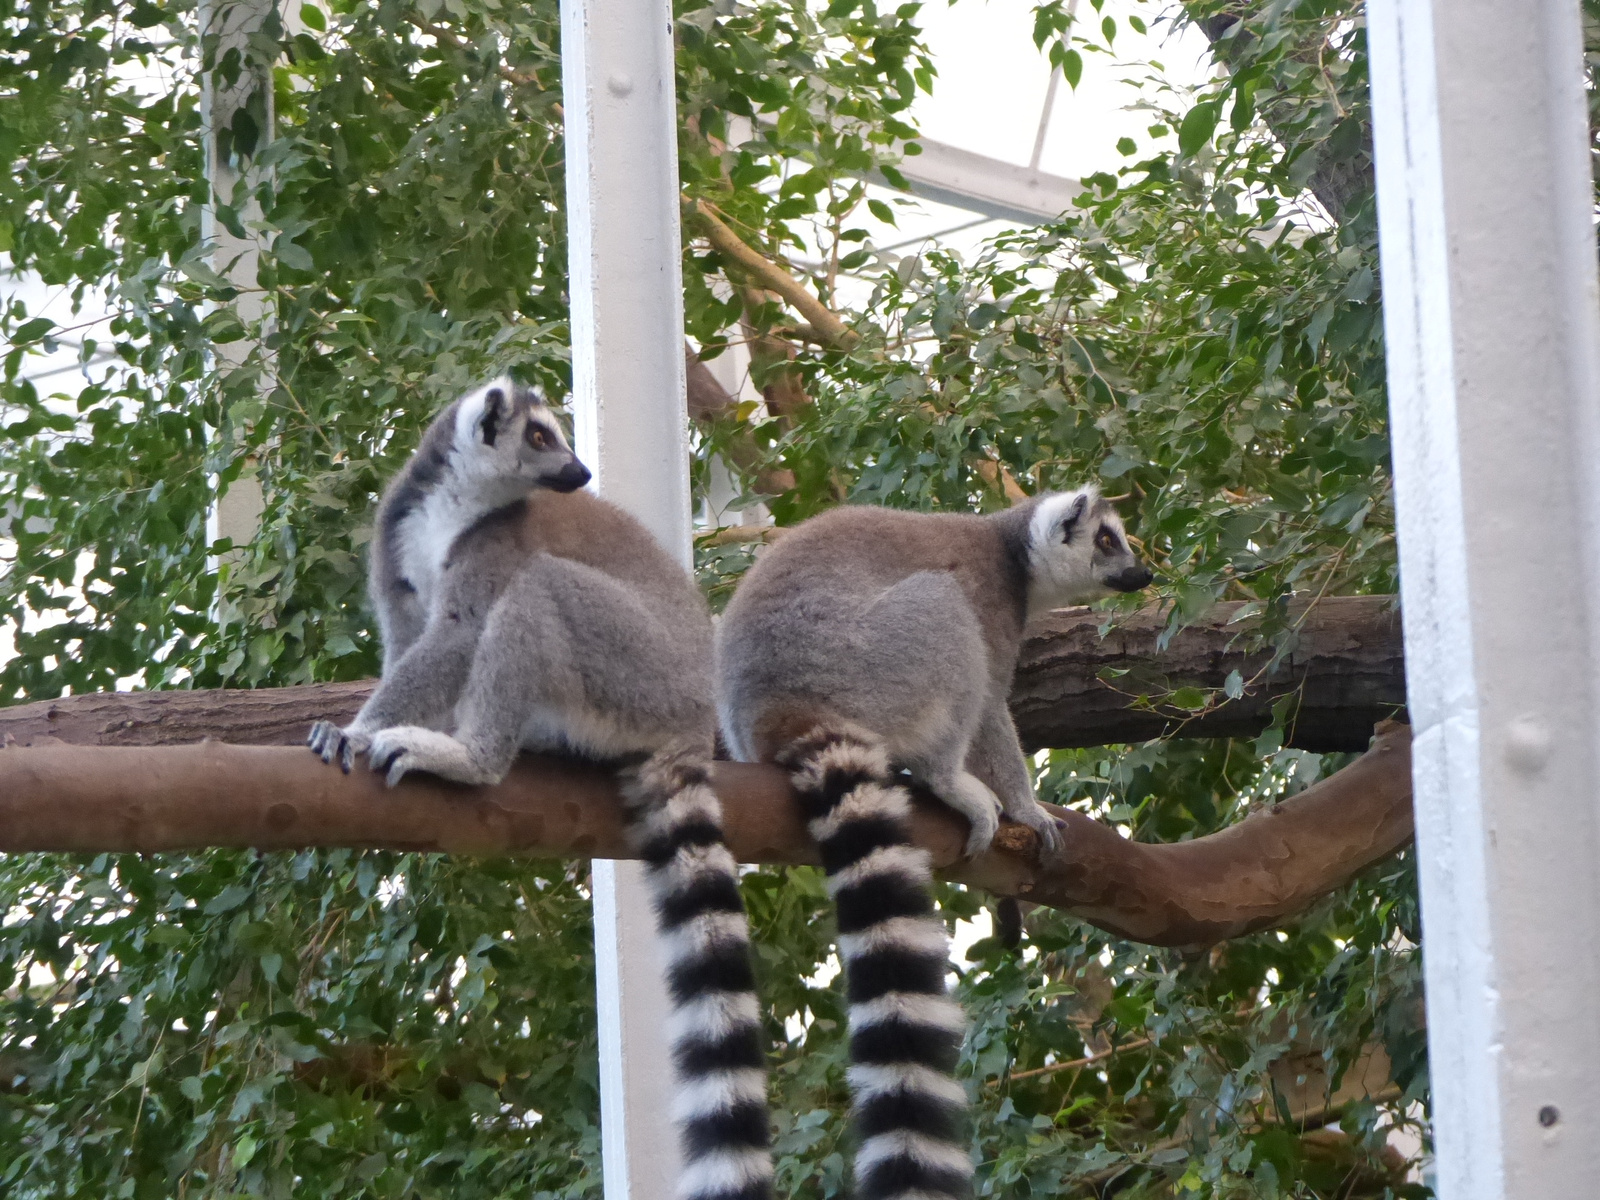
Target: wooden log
{"points": [[1347, 668], [160, 798]]}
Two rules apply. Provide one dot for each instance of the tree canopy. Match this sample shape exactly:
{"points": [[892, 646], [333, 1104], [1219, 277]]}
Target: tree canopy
{"points": [[1202, 335]]}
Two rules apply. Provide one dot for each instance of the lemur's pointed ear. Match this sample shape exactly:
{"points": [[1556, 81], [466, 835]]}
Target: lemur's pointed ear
{"points": [[494, 412], [1070, 518]]}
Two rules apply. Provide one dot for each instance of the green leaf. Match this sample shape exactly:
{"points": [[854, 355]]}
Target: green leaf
{"points": [[228, 899], [313, 17], [1198, 125], [292, 255], [32, 331], [1072, 68], [1190, 698], [881, 210], [1127, 146]]}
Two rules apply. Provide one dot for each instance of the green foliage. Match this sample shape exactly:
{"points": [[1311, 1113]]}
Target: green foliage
{"points": [[330, 1024], [344, 1024]]}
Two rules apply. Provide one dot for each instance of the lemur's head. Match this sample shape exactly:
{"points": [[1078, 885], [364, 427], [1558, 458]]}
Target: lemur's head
{"points": [[1078, 551], [504, 431]]}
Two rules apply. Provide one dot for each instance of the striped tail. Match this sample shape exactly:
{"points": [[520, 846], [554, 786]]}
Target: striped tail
{"points": [[905, 1032], [720, 1100]]}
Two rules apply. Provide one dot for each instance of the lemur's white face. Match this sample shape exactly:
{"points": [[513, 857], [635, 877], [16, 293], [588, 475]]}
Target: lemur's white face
{"points": [[504, 432], [1078, 551]]}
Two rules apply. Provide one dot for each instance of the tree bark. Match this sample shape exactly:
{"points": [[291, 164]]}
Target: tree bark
{"points": [[1347, 667], [162, 798]]}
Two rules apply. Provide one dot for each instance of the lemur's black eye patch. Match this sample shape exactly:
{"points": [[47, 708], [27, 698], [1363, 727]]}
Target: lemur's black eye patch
{"points": [[1106, 540]]}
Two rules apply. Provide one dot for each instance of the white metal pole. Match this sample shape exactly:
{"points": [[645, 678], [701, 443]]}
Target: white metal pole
{"points": [[231, 23], [632, 430], [1493, 331]]}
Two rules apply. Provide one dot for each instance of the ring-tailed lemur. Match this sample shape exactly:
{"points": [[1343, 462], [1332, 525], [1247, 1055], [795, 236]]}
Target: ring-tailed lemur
{"points": [[520, 613], [869, 640]]}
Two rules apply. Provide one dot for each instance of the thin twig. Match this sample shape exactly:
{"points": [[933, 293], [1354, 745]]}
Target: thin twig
{"points": [[1087, 1061]]}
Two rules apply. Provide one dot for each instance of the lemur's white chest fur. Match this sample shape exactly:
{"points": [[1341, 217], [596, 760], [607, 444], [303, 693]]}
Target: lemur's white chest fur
{"points": [[426, 533]]}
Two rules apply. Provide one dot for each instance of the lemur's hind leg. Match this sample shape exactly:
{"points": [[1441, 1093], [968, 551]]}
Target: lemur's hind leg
{"points": [[995, 758], [526, 690], [421, 690]]}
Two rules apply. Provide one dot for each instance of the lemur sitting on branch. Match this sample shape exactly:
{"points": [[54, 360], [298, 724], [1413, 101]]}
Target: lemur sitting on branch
{"points": [[519, 613], [865, 642]]}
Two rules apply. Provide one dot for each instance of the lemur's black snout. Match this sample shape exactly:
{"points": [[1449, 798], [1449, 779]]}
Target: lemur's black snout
{"points": [[570, 478], [1131, 579]]}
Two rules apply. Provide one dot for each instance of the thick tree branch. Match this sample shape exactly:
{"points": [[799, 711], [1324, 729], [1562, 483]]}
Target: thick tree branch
{"points": [[1347, 671], [1250, 876]]}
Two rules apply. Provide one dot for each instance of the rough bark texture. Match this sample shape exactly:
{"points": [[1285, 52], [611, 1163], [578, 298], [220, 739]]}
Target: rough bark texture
{"points": [[154, 798], [1348, 669]]}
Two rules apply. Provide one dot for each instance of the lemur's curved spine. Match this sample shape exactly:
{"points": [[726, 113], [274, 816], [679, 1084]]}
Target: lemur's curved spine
{"points": [[717, 1044], [905, 1031]]}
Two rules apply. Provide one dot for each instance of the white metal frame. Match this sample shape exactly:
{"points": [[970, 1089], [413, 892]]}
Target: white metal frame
{"points": [[1493, 333], [619, 89]]}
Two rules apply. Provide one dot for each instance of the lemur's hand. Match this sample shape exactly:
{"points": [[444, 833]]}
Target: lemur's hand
{"points": [[330, 743]]}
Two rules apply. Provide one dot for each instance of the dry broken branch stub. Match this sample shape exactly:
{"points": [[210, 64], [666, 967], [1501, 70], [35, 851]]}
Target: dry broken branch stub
{"points": [[1247, 877], [1348, 672]]}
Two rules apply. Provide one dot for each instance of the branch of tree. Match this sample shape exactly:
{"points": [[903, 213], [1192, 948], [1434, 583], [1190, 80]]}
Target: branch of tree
{"points": [[1346, 671], [1338, 179], [768, 274], [164, 798]]}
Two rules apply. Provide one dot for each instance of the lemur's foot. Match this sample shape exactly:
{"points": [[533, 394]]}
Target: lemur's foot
{"points": [[331, 743], [1048, 826], [404, 748]]}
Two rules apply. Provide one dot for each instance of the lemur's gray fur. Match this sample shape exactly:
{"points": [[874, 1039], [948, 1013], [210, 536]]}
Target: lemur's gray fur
{"points": [[909, 625], [520, 613], [869, 639]]}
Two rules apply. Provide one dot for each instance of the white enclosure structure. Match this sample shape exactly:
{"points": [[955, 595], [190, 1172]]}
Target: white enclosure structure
{"points": [[1492, 323], [631, 420]]}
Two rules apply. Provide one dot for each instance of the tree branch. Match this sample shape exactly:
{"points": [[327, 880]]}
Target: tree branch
{"points": [[1339, 177], [1247, 877], [768, 274], [1347, 670]]}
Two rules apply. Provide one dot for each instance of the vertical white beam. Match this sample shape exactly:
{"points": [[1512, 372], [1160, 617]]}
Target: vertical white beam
{"points": [[1492, 324], [230, 23], [632, 430]]}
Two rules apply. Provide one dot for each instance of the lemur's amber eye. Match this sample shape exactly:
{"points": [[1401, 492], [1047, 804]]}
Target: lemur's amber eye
{"points": [[536, 438], [1106, 542]]}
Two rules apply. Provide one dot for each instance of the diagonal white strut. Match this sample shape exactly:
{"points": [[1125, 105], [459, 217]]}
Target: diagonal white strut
{"points": [[1492, 324], [632, 430]]}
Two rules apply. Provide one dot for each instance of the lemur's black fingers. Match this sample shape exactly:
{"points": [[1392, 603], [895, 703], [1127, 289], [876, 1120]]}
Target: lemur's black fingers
{"points": [[382, 765], [319, 740], [347, 754]]}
